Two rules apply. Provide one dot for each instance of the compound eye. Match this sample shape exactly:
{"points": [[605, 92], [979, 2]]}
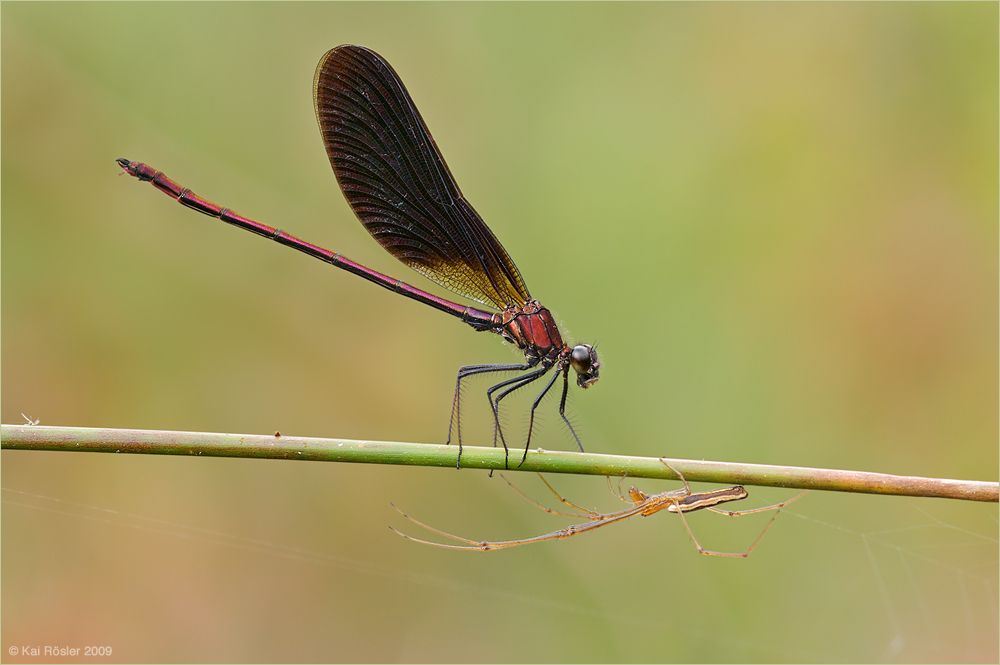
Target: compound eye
{"points": [[580, 359]]}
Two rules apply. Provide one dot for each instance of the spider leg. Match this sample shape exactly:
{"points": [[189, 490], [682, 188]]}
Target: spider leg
{"points": [[679, 475], [776, 506], [619, 492], [589, 514], [592, 513], [484, 546]]}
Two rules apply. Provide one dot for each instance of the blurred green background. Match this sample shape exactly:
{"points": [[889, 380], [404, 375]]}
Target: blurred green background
{"points": [[779, 221]]}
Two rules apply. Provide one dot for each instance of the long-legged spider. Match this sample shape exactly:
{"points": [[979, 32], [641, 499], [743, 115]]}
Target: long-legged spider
{"points": [[678, 501]]}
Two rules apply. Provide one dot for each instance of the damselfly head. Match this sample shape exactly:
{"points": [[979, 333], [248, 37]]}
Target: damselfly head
{"points": [[583, 359]]}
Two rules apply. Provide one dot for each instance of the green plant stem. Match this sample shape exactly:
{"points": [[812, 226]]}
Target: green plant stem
{"points": [[153, 442]]}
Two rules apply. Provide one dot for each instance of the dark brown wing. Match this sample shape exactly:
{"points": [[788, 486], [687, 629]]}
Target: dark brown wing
{"points": [[398, 184]]}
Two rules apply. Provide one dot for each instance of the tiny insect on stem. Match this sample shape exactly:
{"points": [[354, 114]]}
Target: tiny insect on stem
{"points": [[677, 501]]}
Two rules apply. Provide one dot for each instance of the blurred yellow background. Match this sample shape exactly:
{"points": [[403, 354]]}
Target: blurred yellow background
{"points": [[779, 221]]}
